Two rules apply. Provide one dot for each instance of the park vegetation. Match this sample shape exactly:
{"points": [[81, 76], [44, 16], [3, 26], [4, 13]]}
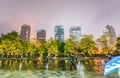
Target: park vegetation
{"points": [[12, 46]]}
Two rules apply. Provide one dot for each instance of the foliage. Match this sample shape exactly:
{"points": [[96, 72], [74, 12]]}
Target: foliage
{"points": [[87, 44], [11, 45], [28, 49], [118, 43], [53, 46], [70, 46], [104, 43], [41, 48], [62, 47]]}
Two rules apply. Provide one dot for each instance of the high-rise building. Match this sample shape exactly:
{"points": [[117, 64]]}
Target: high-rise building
{"points": [[25, 32], [59, 33], [75, 33], [110, 33], [41, 35]]}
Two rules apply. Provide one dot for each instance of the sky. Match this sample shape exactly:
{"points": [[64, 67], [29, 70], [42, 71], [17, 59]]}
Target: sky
{"points": [[91, 15]]}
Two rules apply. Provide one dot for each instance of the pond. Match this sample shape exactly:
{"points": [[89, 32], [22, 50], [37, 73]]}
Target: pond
{"points": [[89, 68]]}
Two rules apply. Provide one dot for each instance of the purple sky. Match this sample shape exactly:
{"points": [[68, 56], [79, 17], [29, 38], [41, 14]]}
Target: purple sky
{"points": [[91, 15]]}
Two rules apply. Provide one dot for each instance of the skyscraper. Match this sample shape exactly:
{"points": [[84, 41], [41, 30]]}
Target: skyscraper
{"points": [[110, 32], [41, 35], [59, 33], [76, 33], [25, 32]]}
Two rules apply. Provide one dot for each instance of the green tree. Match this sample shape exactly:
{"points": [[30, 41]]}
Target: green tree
{"points": [[53, 47], [70, 46], [118, 43], [102, 42], [62, 47], [105, 43], [11, 43], [42, 48], [10, 36], [28, 49], [87, 44]]}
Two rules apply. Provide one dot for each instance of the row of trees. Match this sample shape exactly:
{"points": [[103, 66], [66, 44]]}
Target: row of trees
{"points": [[11, 45]]}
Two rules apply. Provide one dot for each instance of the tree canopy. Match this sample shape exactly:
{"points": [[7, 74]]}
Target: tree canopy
{"points": [[12, 45]]}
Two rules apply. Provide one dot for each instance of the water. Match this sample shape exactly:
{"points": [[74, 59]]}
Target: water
{"points": [[92, 68]]}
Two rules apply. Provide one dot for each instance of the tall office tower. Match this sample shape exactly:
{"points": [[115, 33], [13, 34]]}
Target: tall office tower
{"points": [[25, 32], [59, 33], [41, 35], [75, 33], [110, 32]]}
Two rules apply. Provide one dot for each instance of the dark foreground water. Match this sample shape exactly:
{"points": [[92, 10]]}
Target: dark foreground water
{"points": [[89, 68]]}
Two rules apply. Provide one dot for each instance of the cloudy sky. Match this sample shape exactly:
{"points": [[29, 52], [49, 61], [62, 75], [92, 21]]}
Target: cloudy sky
{"points": [[91, 15]]}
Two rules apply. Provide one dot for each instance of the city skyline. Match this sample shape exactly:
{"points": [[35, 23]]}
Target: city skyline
{"points": [[74, 31], [91, 15]]}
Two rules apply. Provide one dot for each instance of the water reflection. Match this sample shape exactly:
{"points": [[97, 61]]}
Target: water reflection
{"points": [[26, 68], [80, 70]]}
